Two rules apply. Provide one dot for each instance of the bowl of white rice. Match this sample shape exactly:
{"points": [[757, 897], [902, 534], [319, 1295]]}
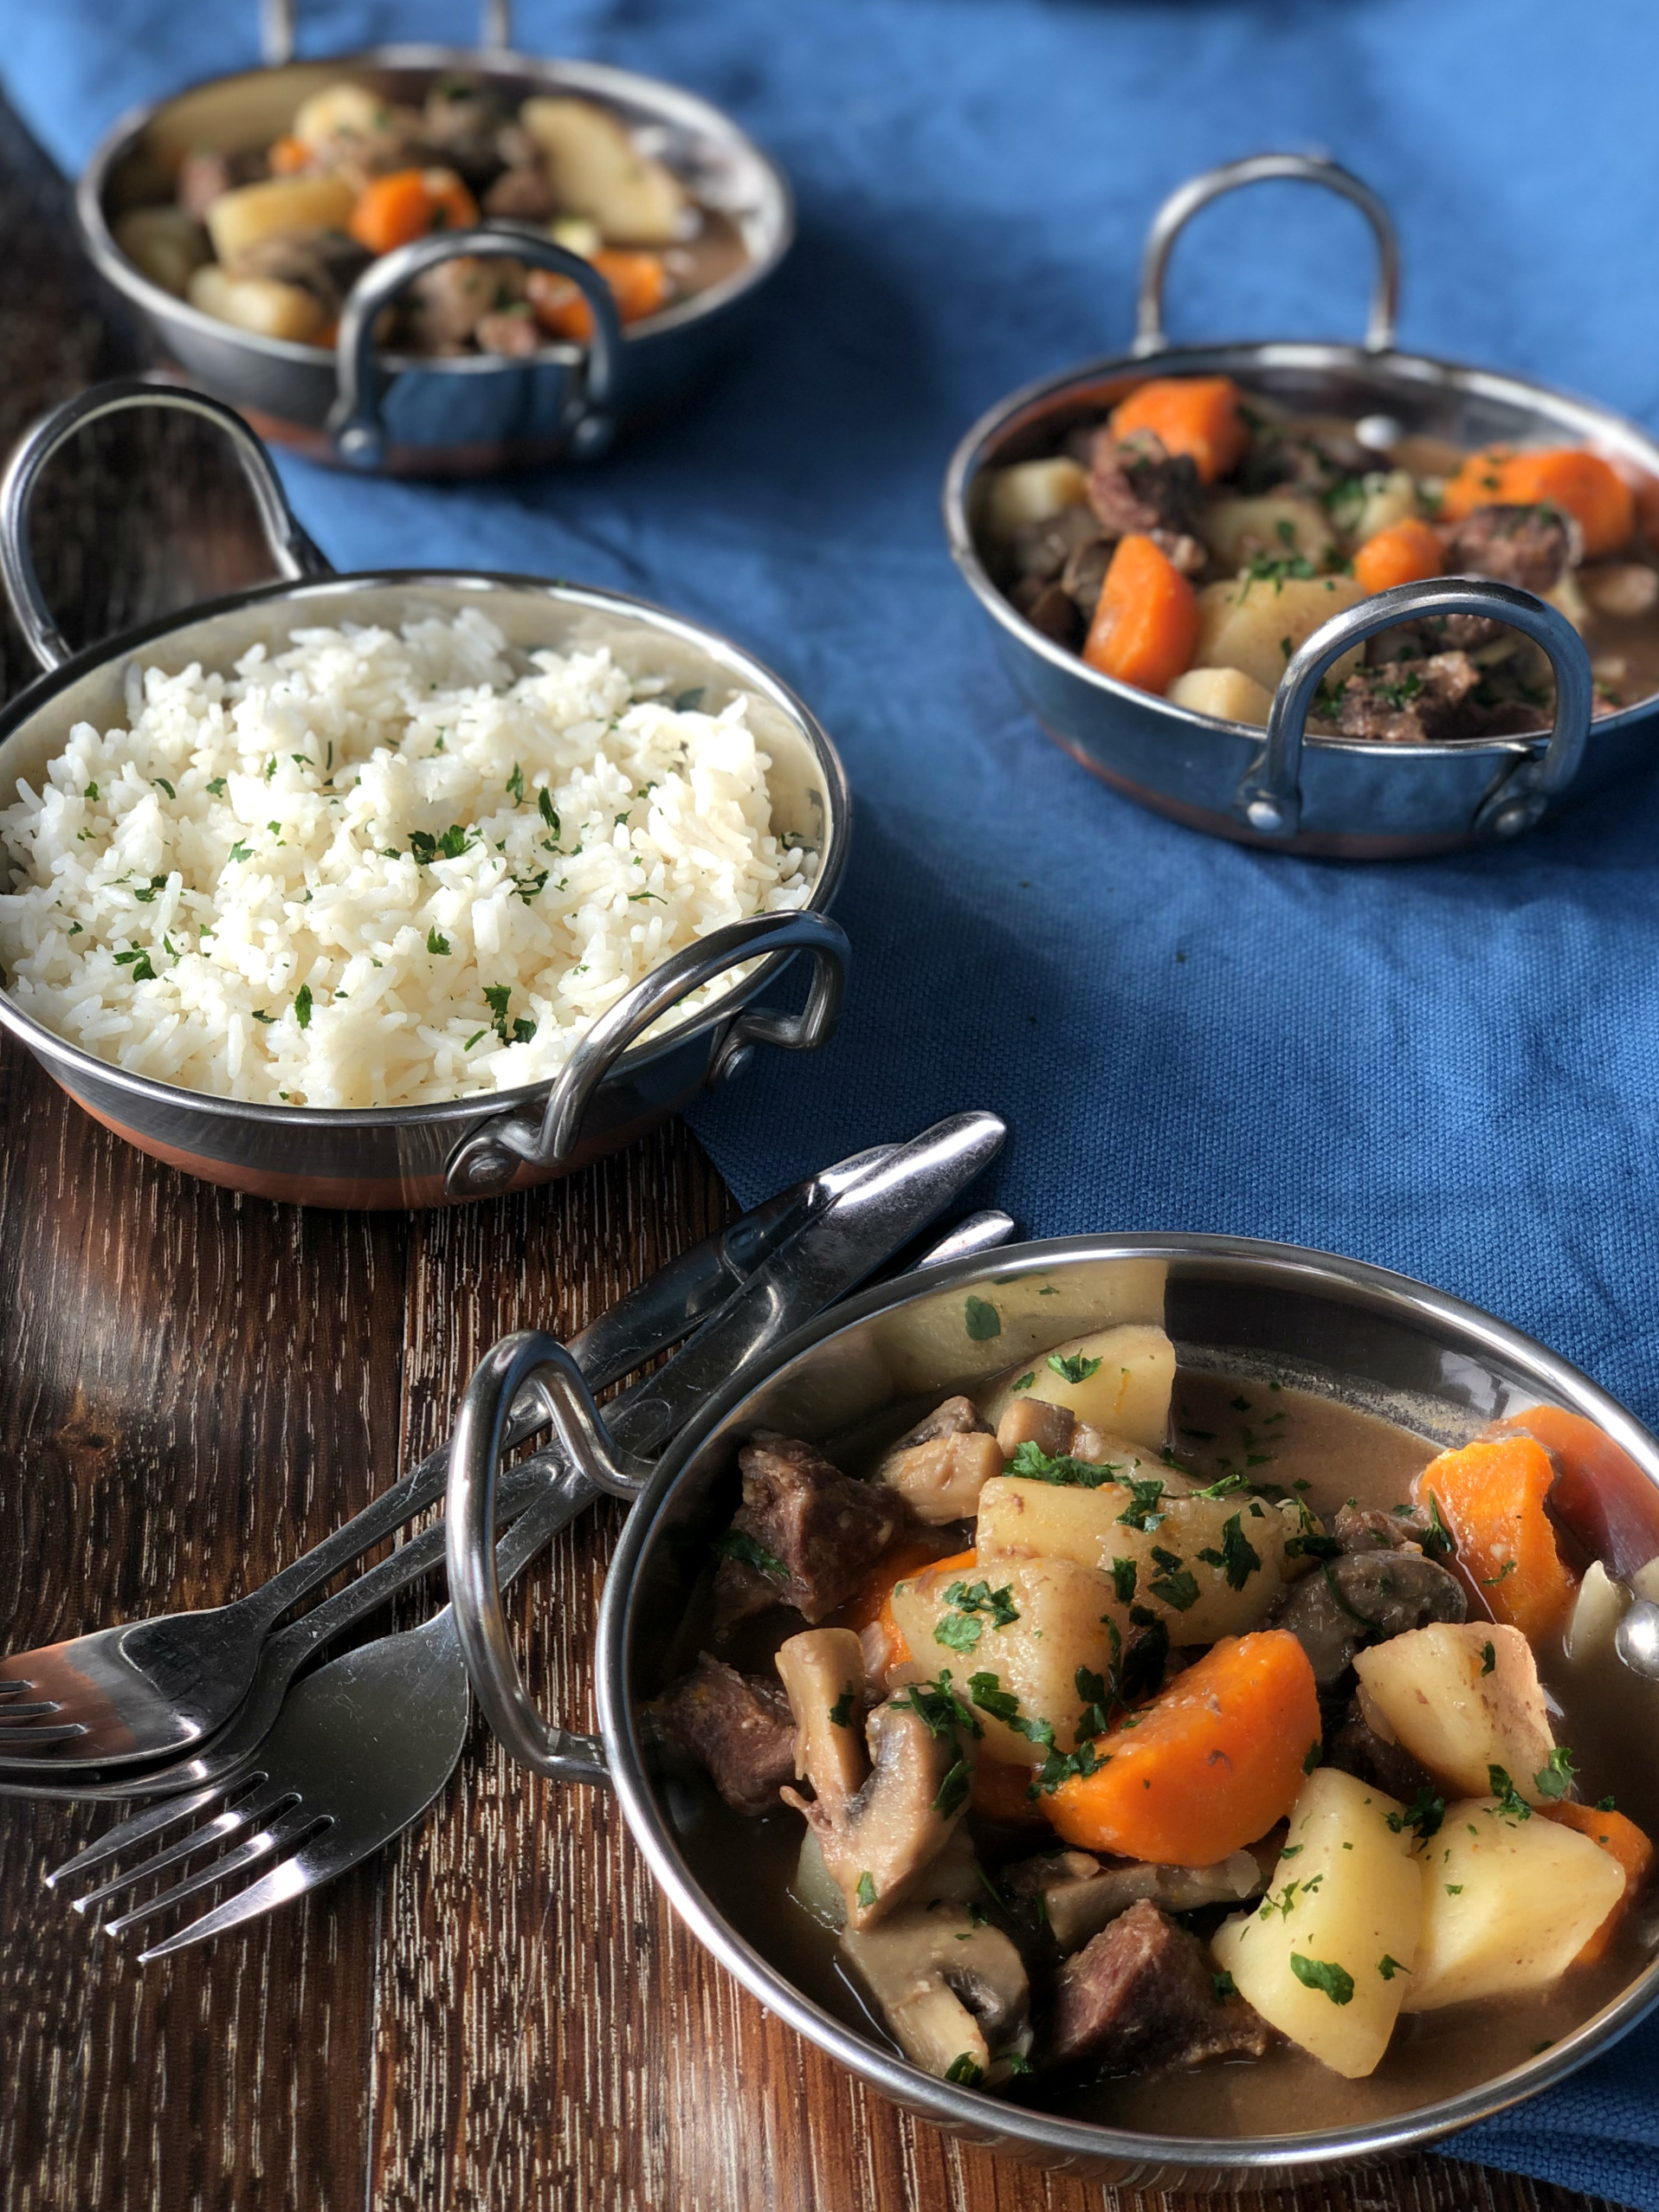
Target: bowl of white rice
{"points": [[381, 890]]}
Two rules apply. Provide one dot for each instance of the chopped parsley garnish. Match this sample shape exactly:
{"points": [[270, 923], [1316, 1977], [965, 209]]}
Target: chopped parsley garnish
{"points": [[1511, 1804], [435, 941], [1315, 1754], [865, 1895], [938, 1704], [1310, 1544], [1238, 1558], [427, 848], [964, 2068], [138, 961], [1025, 1381], [840, 1713], [1323, 1974], [1388, 1968], [1489, 1657], [515, 785], [1553, 1780], [1141, 1511], [687, 702], [1607, 1804], [1075, 1368], [146, 896], [1177, 1585], [161, 783], [1223, 1986], [1438, 1539], [1062, 1766], [1141, 1672], [734, 1544], [1228, 1483], [984, 1321], [1453, 1889], [1424, 1815], [240, 852], [302, 1006], [1034, 1465], [544, 809], [1490, 1582], [1002, 1705], [979, 1597], [91, 791], [1123, 1580], [955, 1791]]}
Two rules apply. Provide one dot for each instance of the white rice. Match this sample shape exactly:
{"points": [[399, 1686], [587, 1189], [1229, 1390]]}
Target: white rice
{"points": [[227, 894]]}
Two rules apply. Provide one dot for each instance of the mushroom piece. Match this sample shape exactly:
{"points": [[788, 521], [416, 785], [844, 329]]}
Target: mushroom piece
{"points": [[955, 1996], [1081, 1893], [1363, 1598], [878, 1825]]}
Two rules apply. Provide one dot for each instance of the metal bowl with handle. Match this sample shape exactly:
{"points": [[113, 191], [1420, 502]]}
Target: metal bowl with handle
{"points": [[1369, 1340], [1287, 790], [612, 1087], [470, 415]]}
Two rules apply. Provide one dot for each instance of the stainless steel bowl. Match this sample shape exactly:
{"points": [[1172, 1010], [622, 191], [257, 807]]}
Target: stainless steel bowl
{"points": [[1282, 790], [1374, 1340], [474, 414], [611, 1088]]}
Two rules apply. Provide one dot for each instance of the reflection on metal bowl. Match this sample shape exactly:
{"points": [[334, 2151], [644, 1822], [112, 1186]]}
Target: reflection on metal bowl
{"points": [[611, 1088], [1346, 798]]}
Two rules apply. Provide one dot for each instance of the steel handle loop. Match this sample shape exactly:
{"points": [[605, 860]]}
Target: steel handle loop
{"points": [[1269, 799], [1298, 168], [597, 1465], [356, 422], [488, 1160], [292, 551], [276, 29]]}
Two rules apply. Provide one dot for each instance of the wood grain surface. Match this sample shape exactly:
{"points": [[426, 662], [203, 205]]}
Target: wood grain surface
{"points": [[499, 2012]]}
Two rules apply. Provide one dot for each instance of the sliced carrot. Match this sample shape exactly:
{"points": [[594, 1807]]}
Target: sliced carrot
{"points": [[639, 285], [1625, 1841], [1579, 483], [288, 157], [894, 1564], [1601, 1496], [1002, 1792], [1196, 415], [1491, 1497], [1209, 1765], [1401, 554], [410, 203], [1145, 625]]}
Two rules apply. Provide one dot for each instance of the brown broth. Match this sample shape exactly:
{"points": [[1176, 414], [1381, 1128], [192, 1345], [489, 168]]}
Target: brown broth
{"points": [[1292, 1437]]}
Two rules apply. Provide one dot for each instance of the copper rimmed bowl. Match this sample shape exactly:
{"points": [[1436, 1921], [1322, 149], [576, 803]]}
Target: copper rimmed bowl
{"points": [[613, 1087], [1373, 1340], [475, 414], [1282, 790]]}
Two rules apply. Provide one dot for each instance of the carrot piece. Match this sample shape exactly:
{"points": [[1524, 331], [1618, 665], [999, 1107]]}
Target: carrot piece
{"points": [[1145, 625], [409, 203], [1601, 1496], [894, 1564], [1209, 1765], [288, 157], [1491, 1497], [898, 1644], [1002, 1792], [639, 285], [1196, 415], [1401, 554], [1625, 1841], [1579, 483]]}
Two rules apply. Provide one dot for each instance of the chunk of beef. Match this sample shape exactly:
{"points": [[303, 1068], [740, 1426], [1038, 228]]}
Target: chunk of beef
{"points": [[203, 176], [522, 194], [1358, 1749], [450, 301], [1083, 574], [1532, 546], [1048, 608], [824, 1531], [1303, 458], [326, 264], [739, 1725], [1362, 1528], [1136, 484], [512, 331], [461, 122], [1363, 1598], [1406, 702], [1041, 548], [1142, 1994]]}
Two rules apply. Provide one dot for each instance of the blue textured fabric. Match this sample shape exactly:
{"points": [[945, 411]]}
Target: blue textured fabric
{"points": [[1450, 1068]]}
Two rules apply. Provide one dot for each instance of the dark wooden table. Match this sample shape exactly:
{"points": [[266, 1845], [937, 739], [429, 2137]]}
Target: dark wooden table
{"points": [[193, 1387]]}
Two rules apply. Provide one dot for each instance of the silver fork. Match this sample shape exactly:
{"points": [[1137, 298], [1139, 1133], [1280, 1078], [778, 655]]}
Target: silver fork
{"points": [[364, 1745]]}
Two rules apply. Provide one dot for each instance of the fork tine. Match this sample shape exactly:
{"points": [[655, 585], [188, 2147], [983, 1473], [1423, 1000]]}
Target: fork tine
{"points": [[13, 1706], [152, 1821], [20, 1740], [10, 1682], [278, 1839], [219, 1829], [280, 1885]]}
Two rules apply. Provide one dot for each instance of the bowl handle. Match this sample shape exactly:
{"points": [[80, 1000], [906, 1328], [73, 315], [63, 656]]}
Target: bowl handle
{"points": [[276, 29], [1300, 168], [488, 1160], [292, 552], [356, 422], [529, 1360], [1269, 799]]}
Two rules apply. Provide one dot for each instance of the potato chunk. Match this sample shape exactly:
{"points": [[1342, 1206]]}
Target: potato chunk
{"points": [[597, 170], [1059, 1613], [165, 244], [262, 303], [1030, 490], [1329, 1953], [282, 207], [342, 110], [1257, 625], [1116, 1379], [1162, 1568], [1463, 1698], [1228, 693], [941, 1481], [1279, 525], [1508, 1903]]}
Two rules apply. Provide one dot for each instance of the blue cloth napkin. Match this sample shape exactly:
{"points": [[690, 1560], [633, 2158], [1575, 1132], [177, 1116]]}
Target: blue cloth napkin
{"points": [[1448, 1067]]}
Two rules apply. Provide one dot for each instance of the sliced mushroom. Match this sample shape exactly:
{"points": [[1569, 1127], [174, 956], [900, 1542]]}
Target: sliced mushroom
{"points": [[955, 1996], [877, 1837], [1363, 1598], [823, 1672], [1081, 1894]]}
